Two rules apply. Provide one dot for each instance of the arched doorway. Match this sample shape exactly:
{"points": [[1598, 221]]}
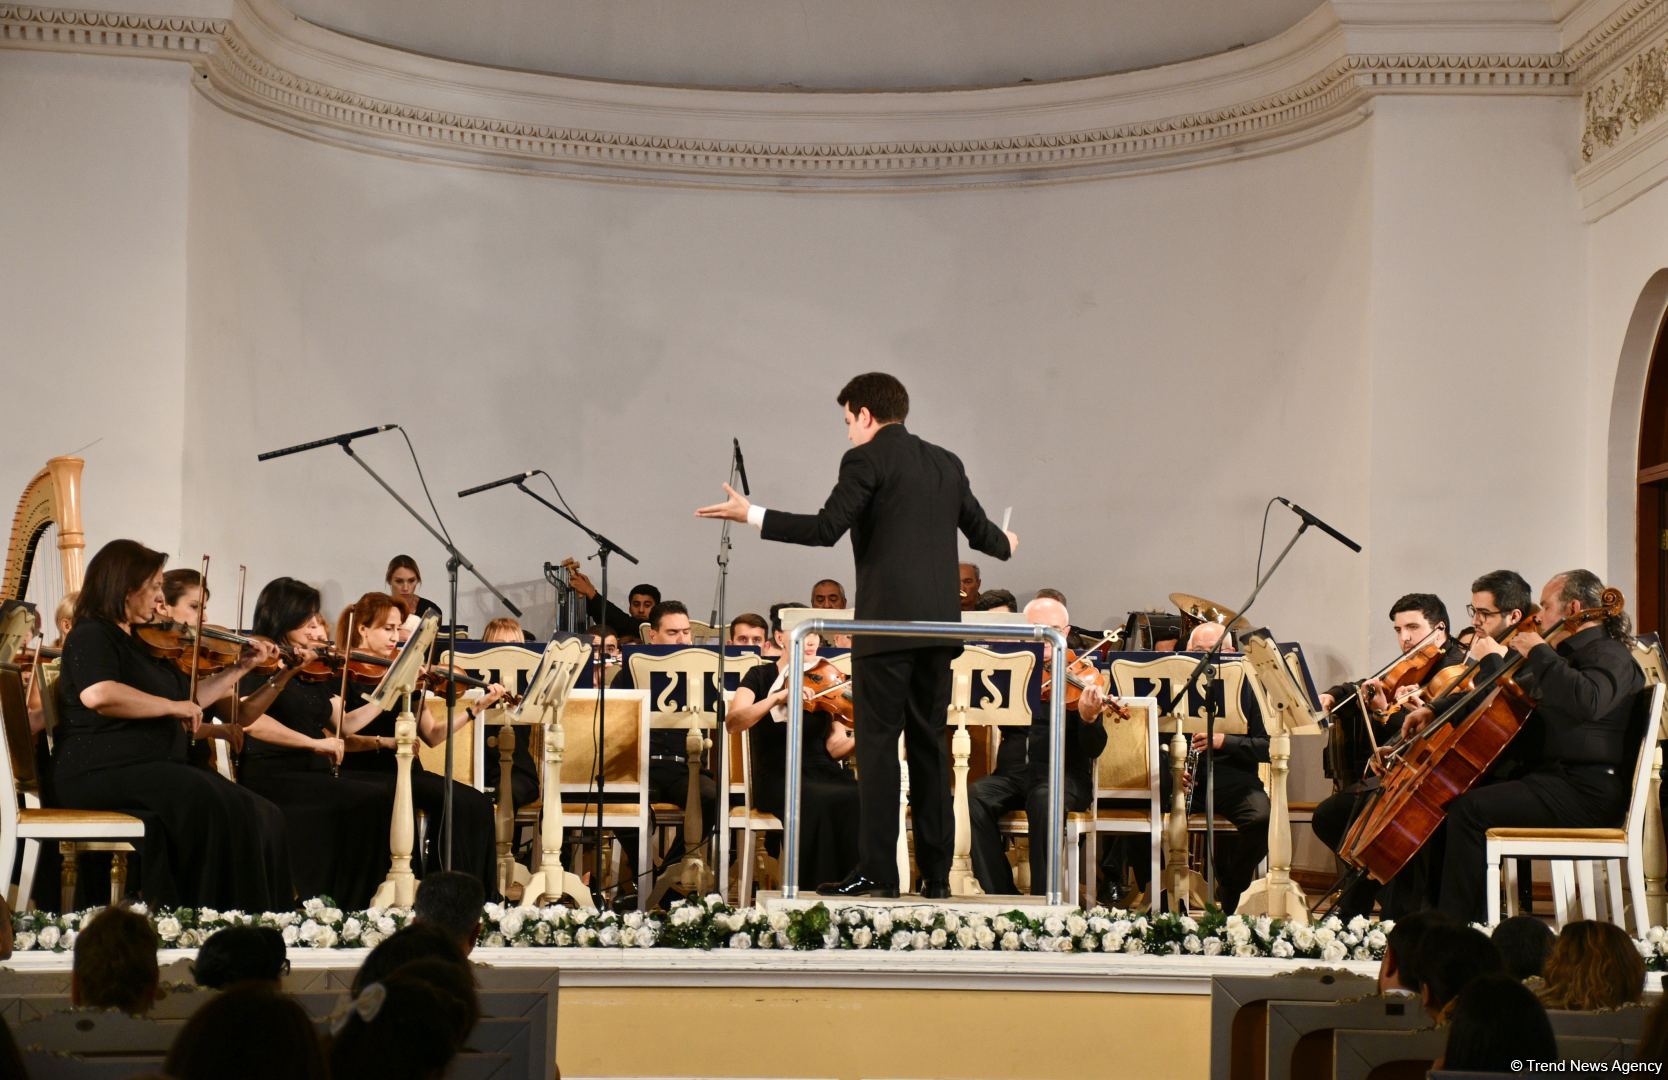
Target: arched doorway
{"points": [[1651, 546]]}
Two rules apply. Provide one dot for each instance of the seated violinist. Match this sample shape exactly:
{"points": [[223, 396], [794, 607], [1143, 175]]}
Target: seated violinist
{"points": [[1020, 779], [1577, 753], [1420, 621], [183, 602]]}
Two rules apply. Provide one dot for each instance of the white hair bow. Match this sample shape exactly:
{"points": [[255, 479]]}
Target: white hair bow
{"points": [[366, 1006]]}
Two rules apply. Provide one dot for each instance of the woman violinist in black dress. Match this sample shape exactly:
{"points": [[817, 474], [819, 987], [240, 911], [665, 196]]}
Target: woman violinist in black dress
{"points": [[828, 801], [376, 629], [339, 822], [122, 746]]}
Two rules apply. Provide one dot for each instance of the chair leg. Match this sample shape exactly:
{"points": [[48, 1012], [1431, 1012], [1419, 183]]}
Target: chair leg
{"points": [[1563, 883], [1491, 887], [1636, 894], [1091, 867], [1585, 891], [746, 861], [118, 877], [66, 880], [1511, 887], [25, 874], [1613, 883], [1074, 869], [1155, 884]]}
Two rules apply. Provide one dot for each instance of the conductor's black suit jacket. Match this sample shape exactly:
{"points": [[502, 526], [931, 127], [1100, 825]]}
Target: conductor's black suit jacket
{"points": [[903, 499]]}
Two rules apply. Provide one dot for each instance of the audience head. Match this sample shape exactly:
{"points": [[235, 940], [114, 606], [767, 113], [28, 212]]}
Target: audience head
{"points": [[669, 624], [970, 583], [451, 900], [1415, 615], [1450, 956], [183, 596], [115, 962], [1499, 599], [749, 630], [403, 579], [1496, 1024], [1524, 942], [418, 941], [503, 629], [641, 601], [250, 1031], [402, 1026], [1593, 965], [996, 600], [828, 594], [376, 619], [871, 401], [122, 583], [241, 954], [1399, 969]]}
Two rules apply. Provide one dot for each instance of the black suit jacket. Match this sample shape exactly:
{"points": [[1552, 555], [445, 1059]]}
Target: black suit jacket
{"points": [[903, 500]]}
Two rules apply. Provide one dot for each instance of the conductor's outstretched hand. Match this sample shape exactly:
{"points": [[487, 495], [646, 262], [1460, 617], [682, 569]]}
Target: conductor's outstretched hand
{"points": [[732, 509]]}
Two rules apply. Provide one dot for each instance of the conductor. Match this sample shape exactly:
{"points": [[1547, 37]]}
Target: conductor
{"points": [[903, 500]]}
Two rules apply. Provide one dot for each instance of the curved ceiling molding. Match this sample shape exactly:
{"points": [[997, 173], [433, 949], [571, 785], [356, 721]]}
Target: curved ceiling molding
{"points": [[1314, 79]]}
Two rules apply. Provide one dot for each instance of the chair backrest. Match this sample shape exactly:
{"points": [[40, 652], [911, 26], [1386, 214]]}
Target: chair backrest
{"points": [[1163, 678], [97, 1031], [1647, 653], [20, 741], [467, 767], [1385, 1055], [625, 745], [61, 1065], [1627, 1022], [1131, 766], [689, 675], [1300, 1032], [1239, 1012], [1647, 723]]}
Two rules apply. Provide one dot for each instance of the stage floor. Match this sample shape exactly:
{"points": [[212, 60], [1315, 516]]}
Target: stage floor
{"points": [[855, 1013]]}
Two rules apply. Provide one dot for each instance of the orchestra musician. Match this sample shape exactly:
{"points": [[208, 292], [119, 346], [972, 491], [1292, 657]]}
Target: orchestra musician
{"points": [[1575, 745], [376, 619], [1239, 794], [183, 602], [970, 584], [122, 745], [524, 769], [403, 580], [830, 595], [1418, 619], [338, 823], [748, 631], [903, 500], [639, 602], [828, 798], [1020, 779]]}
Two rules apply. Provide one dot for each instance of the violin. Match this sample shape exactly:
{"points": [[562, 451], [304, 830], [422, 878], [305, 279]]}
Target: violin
{"points": [[26, 658], [1347, 757], [216, 646], [1081, 674], [367, 667], [830, 690]]}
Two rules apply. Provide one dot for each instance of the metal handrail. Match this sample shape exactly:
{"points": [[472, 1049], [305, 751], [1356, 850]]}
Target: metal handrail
{"points": [[949, 631]]}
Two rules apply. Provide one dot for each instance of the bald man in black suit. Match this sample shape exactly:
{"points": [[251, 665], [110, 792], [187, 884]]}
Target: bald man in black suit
{"points": [[903, 500]]}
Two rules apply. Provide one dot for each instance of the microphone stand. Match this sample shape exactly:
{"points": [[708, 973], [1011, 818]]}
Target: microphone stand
{"points": [[1203, 672], [721, 736], [605, 547], [454, 560]]}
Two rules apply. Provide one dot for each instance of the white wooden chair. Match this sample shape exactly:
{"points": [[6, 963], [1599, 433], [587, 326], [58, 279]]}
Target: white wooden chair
{"points": [[751, 861], [75, 830], [1008, 711], [625, 755], [1585, 846], [1127, 800]]}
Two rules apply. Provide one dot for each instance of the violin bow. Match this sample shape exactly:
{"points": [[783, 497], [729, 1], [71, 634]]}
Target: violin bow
{"points": [[237, 628], [341, 712], [197, 636]]}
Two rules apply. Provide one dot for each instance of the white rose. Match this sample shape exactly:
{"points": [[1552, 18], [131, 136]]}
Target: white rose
{"points": [[1028, 938], [1334, 952], [966, 938], [1377, 940], [207, 915], [1122, 927], [310, 932], [1002, 924], [952, 921], [633, 919], [882, 923], [740, 941], [900, 941], [714, 899], [1189, 924], [139, 907], [1237, 932], [939, 938], [313, 906], [645, 937], [561, 939], [352, 930], [48, 937], [854, 917], [1141, 925], [830, 938], [370, 939], [1326, 935], [1064, 945], [1076, 925], [586, 937], [291, 935], [1654, 934], [581, 916], [494, 941], [1245, 950], [168, 928], [327, 938], [1304, 938], [1363, 954], [1010, 941], [1281, 949], [1265, 926], [921, 939], [1212, 946], [511, 923], [69, 938], [189, 939], [684, 914], [541, 933], [386, 925], [1135, 945], [24, 942], [1100, 924], [1191, 943], [1054, 924], [1112, 941], [331, 915], [1359, 924], [985, 937], [778, 921], [862, 937], [609, 936]]}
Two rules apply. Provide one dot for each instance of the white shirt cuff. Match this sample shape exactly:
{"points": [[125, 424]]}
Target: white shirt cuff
{"points": [[755, 516]]}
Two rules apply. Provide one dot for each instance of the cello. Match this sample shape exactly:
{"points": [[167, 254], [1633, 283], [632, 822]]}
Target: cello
{"points": [[1447, 756]]}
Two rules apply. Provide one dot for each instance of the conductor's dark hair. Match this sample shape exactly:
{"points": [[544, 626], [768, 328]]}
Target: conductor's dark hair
{"points": [[644, 590], [285, 604], [991, 599], [175, 582], [1510, 591], [882, 394], [1587, 589], [1427, 604], [120, 568], [1497, 1023], [401, 562], [663, 608]]}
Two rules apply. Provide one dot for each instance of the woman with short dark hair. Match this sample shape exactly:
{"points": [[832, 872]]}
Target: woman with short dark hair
{"points": [[122, 746]]}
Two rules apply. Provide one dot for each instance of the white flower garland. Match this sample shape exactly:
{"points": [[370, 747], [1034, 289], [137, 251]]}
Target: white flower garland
{"points": [[711, 923]]}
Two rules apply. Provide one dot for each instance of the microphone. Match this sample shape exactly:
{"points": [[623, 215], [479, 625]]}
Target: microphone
{"points": [[741, 469], [513, 479], [334, 440], [1310, 519]]}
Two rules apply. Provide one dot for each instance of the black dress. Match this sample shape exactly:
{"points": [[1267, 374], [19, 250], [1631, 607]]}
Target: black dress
{"points": [[208, 841], [474, 824], [338, 825], [828, 800]]}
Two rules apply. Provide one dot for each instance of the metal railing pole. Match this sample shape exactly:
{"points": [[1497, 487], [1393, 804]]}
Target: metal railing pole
{"points": [[948, 631]]}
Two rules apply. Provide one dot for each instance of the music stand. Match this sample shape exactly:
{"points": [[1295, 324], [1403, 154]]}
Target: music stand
{"points": [[547, 692], [1286, 712], [399, 889], [17, 628]]}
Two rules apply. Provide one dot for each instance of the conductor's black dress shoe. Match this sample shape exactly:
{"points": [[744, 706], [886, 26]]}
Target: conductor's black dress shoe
{"points": [[935, 890], [858, 885]]}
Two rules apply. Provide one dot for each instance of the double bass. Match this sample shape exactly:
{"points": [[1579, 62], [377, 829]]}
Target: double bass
{"points": [[1444, 759]]}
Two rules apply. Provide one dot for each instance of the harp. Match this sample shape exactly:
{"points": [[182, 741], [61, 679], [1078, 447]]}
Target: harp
{"points": [[43, 559]]}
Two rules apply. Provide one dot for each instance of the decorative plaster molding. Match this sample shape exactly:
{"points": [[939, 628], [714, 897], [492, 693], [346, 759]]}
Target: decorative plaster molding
{"points": [[1297, 87], [1626, 102]]}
